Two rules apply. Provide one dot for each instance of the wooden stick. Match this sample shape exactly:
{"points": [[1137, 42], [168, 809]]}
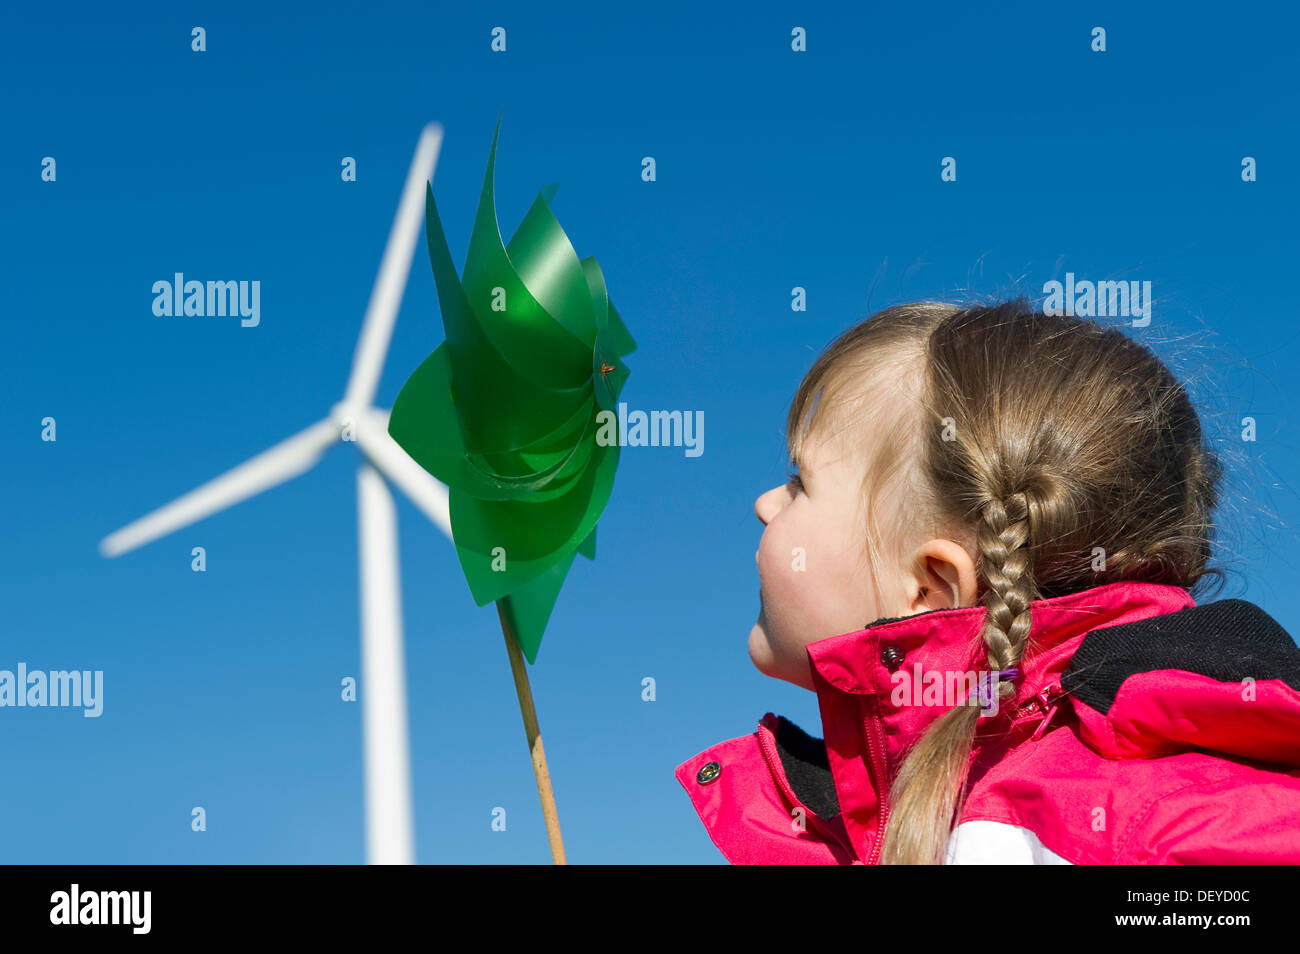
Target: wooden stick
{"points": [[531, 730]]}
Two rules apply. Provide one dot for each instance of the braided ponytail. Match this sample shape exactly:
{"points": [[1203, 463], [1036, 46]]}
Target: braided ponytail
{"points": [[932, 776]]}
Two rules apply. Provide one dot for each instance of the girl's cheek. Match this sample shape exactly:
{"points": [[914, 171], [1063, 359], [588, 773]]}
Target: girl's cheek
{"points": [[765, 544], [769, 558]]}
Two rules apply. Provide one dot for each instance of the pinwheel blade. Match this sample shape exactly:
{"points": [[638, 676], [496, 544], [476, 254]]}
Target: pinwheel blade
{"points": [[511, 412], [394, 267], [285, 460]]}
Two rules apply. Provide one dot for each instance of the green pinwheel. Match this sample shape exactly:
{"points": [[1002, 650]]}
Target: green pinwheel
{"points": [[507, 411]]}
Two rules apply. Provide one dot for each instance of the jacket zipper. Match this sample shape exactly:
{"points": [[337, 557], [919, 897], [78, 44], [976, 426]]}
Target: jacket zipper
{"points": [[1047, 701], [774, 764], [876, 750]]}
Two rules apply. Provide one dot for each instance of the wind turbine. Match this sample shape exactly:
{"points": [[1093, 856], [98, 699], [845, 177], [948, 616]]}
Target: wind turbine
{"points": [[389, 835]]}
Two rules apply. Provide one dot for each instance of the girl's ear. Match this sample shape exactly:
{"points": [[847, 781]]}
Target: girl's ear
{"points": [[944, 576]]}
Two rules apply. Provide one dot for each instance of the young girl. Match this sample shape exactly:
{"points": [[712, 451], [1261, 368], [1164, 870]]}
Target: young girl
{"points": [[1020, 505]]}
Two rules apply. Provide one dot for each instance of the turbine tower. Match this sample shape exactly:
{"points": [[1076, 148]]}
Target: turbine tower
{"points": [[389, 831]]}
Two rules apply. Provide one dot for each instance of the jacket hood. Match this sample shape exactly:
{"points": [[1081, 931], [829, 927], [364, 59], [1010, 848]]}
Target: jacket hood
{"points": [[1223, 677]]}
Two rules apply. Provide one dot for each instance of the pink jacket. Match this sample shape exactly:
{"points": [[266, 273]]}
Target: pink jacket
{"points": [[1148, 730]]}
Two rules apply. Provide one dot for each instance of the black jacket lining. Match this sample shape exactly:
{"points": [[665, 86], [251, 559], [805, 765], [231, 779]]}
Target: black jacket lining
{"points": [[1227, 640], [894, 619], [806, 767]]}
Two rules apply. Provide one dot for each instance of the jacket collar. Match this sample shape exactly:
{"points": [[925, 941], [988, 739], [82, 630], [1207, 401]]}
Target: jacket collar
{"points": [[867, 729], [881, 657]]}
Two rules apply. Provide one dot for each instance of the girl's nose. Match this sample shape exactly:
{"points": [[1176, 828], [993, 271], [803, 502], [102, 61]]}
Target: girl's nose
{"points": [[768, 505]]}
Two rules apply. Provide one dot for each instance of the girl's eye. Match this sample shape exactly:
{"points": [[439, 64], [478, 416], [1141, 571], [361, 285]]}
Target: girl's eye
{"points": [[795, 479]]}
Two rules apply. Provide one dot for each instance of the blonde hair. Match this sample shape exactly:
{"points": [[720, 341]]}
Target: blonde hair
{"points": [[1034, 439]]}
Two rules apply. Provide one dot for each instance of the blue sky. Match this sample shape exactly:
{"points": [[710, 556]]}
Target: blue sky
{"points": [[775, 169]]}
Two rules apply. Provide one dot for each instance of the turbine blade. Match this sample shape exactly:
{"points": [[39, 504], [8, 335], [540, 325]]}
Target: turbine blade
{"points": [[394, 267], [287, 459], [424, 490]]}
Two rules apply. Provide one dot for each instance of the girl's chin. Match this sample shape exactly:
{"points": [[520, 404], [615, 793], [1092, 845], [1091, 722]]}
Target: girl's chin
{"points": [[762, 655], [765, 660], [760, 652]]}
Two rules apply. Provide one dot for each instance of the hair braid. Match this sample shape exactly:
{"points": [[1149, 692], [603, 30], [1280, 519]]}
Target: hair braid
{"points": [[1006, 565], [943, 753]]}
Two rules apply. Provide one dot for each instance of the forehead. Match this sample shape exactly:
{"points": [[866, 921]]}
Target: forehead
{"points": [[827, 425], [820, 450]]}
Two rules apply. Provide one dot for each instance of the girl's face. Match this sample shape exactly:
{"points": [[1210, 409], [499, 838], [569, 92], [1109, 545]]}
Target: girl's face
{"points": [[814, 576], [813, 580]]}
